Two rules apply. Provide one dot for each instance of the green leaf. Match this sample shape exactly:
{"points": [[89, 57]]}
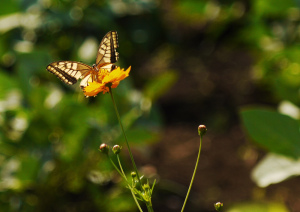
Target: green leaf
{"points": [[160, 85], [8, 7], [30, 65], [258, 207], [139, 135], [192, 7], [75, 128], [274, 169], [27, 174], [272, 8], [275, 132], [7, 84]]}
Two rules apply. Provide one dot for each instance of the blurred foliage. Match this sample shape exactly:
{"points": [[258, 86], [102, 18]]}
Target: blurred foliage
{"points": [[275, 132], [258, 207], [275, 168], [273, 31], [276, 34], [50, 133], [278, 134]]}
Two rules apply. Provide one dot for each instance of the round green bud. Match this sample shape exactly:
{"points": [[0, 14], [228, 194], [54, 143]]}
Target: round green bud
{"points": [[104, 148], [146, 186], [218, 206], [202, 129], [133, 174], [116, 149]]}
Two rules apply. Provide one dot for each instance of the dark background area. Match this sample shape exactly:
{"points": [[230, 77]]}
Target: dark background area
{"points": [[193, 62]]}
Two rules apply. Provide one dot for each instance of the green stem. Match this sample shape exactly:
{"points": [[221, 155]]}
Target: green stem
{"points": [[136, 202], [149, 207], [124, 176], [133, 195], [121, 173], [192, 180], [126, 141], [120, 165]]}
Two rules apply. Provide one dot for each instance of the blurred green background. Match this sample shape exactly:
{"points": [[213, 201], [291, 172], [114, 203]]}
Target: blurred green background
{"points": [[193, 62]]}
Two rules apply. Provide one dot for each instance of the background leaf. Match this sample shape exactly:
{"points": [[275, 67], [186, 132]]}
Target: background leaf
{"points": [[274, 169], [258, 207], [275, 132]]}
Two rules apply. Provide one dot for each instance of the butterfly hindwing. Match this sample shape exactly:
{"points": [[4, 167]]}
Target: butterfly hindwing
{"points": [[69, 71]]}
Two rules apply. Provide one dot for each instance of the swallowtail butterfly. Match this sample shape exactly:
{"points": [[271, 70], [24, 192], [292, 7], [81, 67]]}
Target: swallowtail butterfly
{"points": [[69, 71]]}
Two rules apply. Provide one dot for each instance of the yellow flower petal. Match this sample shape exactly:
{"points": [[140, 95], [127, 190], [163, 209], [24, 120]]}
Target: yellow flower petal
{"points": [[106, 79], [102, 73], [93, 89], [116, 75]]}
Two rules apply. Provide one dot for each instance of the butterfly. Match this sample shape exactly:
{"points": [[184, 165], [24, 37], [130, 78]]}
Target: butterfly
{"points": [[69, 71]]}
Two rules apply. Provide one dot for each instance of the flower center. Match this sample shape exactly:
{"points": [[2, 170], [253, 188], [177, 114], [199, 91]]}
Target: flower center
{"points": [[109, 84]]}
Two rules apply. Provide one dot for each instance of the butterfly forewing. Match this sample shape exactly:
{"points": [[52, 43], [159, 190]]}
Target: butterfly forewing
{"points": [[107, 52], [69, 71]]}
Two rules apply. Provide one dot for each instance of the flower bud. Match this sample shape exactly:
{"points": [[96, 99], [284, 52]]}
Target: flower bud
{"points": [[104, 148], [202, 129], [218, 206], [146, 186], [133, 174], [135, 181], [117, 149]]}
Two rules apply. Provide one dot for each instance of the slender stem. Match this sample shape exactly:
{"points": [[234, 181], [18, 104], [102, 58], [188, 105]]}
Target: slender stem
{"points": [[192, 180], [149, 207], [136, 202], [133, 195], [120, 165], [121, 173], [124, 176], [126, 141]]}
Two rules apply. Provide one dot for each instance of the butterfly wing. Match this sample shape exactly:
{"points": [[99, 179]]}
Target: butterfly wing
{"points": [[107, 52], [86, 80], [68, 71]]}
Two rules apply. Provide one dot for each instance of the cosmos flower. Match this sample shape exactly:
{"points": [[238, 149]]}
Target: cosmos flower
{"points": [[105, 81]]}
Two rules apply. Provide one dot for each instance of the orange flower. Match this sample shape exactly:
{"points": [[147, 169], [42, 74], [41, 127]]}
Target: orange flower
{"points": [[106, 79]]}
